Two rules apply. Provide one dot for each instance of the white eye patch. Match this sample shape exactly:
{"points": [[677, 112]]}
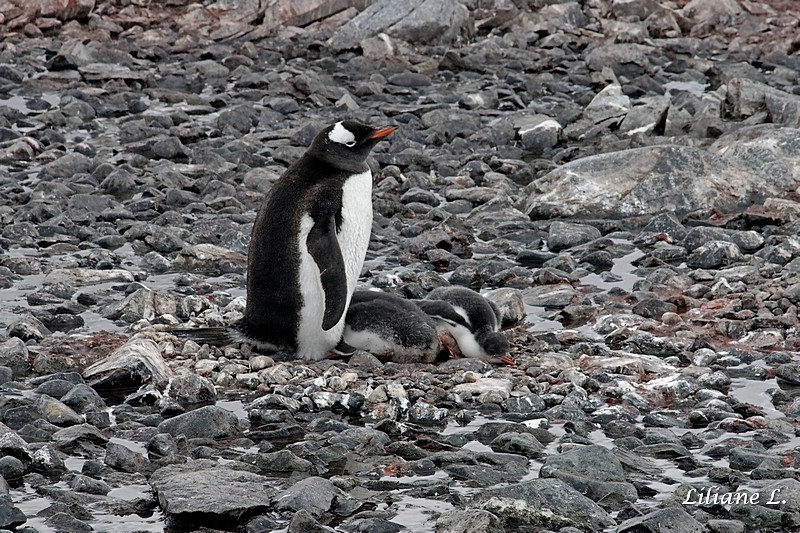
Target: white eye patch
{"points": [[340, 134]]}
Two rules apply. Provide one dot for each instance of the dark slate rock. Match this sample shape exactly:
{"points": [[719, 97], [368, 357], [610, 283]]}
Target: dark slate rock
{"points": [[67, 166], [518, 443], [218, 495], [548, 503], [206, 422], [304, 522], [714, 254], [469, 521], [789, 372], [316, 495], [69, 437], [564, 235], [673, 519], [81, 483], [666, 223], [120, 457], [55, 388], [67, 522], [81, 397]]}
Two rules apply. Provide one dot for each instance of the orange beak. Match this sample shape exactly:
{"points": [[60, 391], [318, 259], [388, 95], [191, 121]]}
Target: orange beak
{"points": [[507, 360], [383, 132]]}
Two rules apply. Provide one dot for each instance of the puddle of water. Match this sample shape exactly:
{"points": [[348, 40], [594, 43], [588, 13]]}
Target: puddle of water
{"points": [[623, 267], [419, 515], [234, 406], [755, 392], [137, 447]]}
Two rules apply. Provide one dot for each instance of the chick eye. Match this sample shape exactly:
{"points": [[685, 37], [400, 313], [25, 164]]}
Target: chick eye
{"points": [[350, 144]]}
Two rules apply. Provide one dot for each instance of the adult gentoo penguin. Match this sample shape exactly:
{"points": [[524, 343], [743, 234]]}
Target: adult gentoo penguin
{"points": [[472, 320], [390, 328], [308, 245]]}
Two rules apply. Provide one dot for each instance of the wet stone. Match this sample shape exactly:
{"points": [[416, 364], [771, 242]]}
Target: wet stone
{"points": [[548, 503]]}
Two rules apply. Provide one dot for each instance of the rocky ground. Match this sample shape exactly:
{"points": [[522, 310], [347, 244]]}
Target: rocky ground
{"points": [[622, 175]]}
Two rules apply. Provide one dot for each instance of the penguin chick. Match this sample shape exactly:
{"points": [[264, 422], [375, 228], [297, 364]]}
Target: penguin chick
{"points": [[390, 328], [472, 320], [308, 246]]}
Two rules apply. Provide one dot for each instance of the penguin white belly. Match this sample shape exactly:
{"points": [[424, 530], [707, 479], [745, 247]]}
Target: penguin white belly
{"points": [[313, 342], [466, 341], [356, 226]]}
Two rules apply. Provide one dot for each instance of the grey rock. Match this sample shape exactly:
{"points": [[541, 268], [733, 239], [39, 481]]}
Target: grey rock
{"points": [[645, 181], [316, 495], [469, 521], [190, 389], [647, 117], [768, 150], [748, 98], [746, 241], [81, 483], [548, 503], [72, 436], [79, 277], [133, 364], [27, 328], [280, 461], [217, 493], [789, 372], [10, 516], [625, 59], [206, 422], [120, 457], [518, 443], [56, 412], [595, 472], [564, 235], [419, 21], [714, 254], [48, 461], [672, 518], [81, 397], [510, 303], [11, 468], [14, 355], [538, 133], [66, 522], [608, 103], [304, 522], [560, 295], [54, 387], [67, 166]]}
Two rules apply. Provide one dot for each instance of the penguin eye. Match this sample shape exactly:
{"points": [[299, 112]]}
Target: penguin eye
{"points": [[350, 144]]}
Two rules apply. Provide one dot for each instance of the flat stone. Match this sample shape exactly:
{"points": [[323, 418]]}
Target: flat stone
{"points": [[548, 503], [201, 492]]}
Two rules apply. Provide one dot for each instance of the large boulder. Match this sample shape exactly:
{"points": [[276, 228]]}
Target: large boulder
{"points": [[645, 181]]}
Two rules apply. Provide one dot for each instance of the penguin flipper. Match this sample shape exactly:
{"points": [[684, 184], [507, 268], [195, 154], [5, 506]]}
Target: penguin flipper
{"points": [[324, 248], [441, 310]]}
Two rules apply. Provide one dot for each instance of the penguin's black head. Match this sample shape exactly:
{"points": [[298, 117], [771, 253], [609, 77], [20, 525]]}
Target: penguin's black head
{"points": [[347, 144], [494, 343]]}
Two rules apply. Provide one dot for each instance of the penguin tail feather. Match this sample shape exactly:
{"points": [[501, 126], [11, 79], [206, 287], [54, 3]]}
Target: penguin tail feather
{"points": [[217, 336]]}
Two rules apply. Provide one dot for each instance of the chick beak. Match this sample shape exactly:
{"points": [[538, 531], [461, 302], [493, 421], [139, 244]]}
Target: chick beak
{"points": [[383, 132]]}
